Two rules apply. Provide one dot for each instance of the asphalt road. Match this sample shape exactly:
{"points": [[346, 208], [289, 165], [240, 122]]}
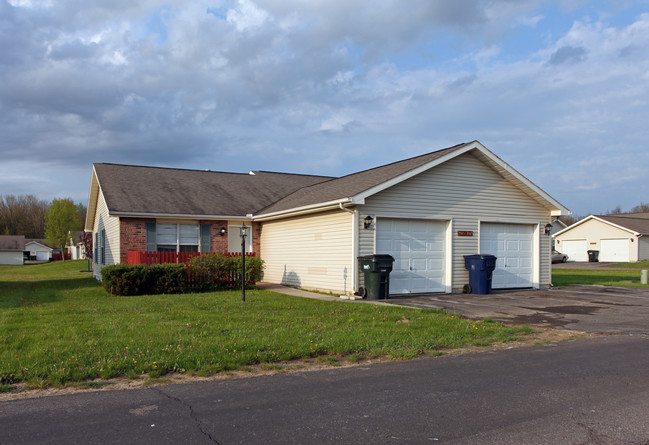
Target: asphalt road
{"points": [[592, 391]]}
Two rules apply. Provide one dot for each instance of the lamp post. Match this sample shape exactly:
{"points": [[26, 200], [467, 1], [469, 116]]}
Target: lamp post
{"points": [[243, 233]]}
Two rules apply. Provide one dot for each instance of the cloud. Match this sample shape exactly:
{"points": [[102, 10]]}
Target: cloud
{"points": [[568, 54], [324, 87]]}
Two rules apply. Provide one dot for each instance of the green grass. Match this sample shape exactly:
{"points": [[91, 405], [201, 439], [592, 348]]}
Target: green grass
{"points": [[564, 277], [58, 325], [644, 264]]}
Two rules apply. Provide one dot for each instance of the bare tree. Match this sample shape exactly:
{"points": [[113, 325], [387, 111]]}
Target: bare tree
{"points": [[22, 215], [640, 208]]}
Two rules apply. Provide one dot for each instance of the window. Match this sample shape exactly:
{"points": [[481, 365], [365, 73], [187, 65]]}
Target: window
{"points": [[177, 237], [234, 239]]}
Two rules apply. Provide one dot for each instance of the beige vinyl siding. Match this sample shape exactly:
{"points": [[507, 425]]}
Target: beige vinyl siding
{"points": [[111, 224], [593, 231], [313, 251], [643, 248], [465, 192]]}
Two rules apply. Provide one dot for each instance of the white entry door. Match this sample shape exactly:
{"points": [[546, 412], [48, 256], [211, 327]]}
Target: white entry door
{"points": [[512, 245], [576, 249], [419, 251], [614, 250]]}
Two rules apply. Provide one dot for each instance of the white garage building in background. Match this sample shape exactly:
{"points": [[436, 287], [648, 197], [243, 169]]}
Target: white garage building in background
{"points": [[618, 238]]}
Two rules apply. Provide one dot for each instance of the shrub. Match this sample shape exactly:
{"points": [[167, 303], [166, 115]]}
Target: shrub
{"points": [[124, 279], [218, 271]]}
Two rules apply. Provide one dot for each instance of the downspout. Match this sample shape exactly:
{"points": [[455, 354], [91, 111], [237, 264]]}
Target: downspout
{"points": [[355, 243]]}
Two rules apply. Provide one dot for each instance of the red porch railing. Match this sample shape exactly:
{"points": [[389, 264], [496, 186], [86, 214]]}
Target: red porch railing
{"points": [[149, 258]]}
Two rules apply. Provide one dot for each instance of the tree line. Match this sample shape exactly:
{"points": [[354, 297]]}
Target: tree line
{"points": [[27, 215]]}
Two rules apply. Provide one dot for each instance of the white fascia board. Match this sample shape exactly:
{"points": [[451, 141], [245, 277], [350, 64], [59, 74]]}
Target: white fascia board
{"points": [[301, 210], [35, 242], [559, 208], [616, 225], [177, 216], [91, 211], [575, 224]]}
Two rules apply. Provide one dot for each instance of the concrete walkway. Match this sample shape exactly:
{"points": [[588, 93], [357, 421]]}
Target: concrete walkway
{"points": [[273, 287]]}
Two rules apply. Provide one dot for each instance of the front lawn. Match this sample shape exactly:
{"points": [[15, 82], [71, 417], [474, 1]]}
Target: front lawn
{"points": [[564, 277], [644, 264], [58, 325]]}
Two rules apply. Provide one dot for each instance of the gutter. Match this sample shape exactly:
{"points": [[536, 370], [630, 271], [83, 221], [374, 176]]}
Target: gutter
{"points": [[330, 205], [355, 241]]}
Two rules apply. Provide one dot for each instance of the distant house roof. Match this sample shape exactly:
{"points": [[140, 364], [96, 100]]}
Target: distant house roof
{"points": [[153, 191], [637, 222], [12, 242]]}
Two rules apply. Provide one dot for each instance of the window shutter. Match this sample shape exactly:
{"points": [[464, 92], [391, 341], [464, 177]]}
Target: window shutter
{"points": [[151, 245], [103, 247], [205, 238], [96, 248]]}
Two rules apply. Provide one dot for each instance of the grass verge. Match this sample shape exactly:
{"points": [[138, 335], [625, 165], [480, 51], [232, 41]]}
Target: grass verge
{"points": [[564, 277], [57, 326]]}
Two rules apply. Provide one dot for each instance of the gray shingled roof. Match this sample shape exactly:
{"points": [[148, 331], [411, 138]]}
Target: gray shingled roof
{"points": [[155, 190], [12, 242], [638, 222], [351, 185]]}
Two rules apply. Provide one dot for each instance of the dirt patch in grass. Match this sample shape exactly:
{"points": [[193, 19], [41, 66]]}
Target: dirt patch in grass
{"points": [[541, 335]]}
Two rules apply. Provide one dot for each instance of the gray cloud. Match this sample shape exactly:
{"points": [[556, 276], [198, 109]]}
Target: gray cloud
{"points": [[313, 88], [568, 54]]}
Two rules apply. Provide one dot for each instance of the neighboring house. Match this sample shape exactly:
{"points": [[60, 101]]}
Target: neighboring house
{"points": [[427, 211], [557, 226], [38, 249], [618, 238], [11, 249], [75, 246]]}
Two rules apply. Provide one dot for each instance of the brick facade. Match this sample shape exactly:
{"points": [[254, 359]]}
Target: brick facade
{"points": [[133, 236]]}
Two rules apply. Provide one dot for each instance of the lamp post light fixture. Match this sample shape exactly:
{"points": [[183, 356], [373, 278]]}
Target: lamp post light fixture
{"points": [[367, 222], [222, 232], [243, 232]]}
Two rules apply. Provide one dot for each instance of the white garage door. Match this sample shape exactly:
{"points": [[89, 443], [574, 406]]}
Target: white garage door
{"points": [[512, 245], [615, 250], [418, 248], [576, 249], [42, 256]]}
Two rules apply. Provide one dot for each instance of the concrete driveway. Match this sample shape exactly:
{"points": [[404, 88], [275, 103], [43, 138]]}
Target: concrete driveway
{"points": [[605, 309]]}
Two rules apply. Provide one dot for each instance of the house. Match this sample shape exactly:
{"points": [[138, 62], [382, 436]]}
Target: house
{"points": [[427, 212], [557, 226], [618, 238], [38, 249], [75, 249], [11, 249]]}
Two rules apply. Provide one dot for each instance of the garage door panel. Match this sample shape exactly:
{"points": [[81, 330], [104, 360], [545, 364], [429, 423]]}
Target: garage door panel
{"points": [[512, 244], [418, 247], [576, 250], [614, 250]]}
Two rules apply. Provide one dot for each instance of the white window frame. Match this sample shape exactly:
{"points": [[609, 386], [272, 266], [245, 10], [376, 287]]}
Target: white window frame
{"points": [[178, 243]]}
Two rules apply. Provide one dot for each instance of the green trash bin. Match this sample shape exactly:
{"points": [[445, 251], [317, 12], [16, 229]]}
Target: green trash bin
{"points": [[376, 272]]}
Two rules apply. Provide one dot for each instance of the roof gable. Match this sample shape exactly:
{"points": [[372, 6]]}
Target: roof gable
{"points": [[355, 188], [636, 223]]}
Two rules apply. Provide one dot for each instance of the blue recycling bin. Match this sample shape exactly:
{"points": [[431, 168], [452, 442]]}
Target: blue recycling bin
{"points": [[480, 269]]}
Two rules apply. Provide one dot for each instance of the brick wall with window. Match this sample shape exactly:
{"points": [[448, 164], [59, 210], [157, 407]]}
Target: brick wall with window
{"points": [[132, 236]]}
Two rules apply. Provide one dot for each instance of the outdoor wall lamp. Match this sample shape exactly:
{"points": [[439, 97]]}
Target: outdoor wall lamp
{"points": [[222, 231], [548, 229], [367, 222]]}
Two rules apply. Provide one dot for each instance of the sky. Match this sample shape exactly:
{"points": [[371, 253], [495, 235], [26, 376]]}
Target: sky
{"points": [[557, 89]]}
